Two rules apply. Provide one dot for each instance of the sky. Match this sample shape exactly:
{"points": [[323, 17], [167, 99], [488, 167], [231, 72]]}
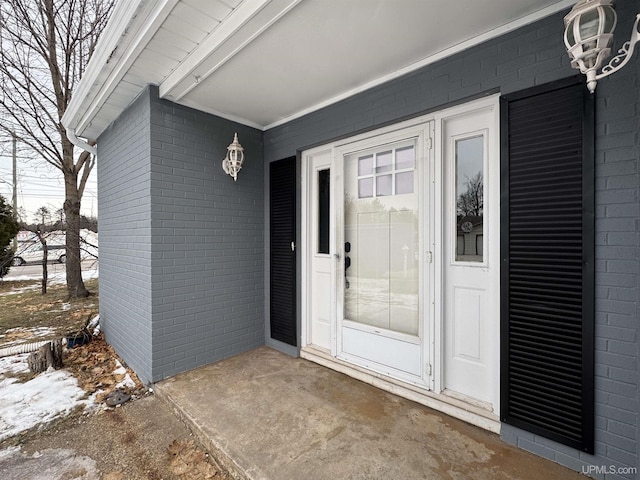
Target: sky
{"points": [[40, 184]]}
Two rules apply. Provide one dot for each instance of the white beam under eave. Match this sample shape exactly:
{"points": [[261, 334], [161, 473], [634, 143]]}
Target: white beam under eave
{"points": [[238, 30]]}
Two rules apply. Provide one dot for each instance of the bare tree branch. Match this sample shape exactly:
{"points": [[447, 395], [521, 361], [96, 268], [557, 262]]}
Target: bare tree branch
{"points": [[45, 46]]}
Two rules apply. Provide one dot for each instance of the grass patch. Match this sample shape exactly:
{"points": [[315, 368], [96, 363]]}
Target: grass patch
{"points": [[25, 312]]}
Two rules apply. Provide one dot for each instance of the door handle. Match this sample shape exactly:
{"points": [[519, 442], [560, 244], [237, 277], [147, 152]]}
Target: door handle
{"points": [[293, 246]]}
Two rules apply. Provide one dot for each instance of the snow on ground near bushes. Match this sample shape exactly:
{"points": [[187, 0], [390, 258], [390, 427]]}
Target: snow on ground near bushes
{"points": [[40, 400]]}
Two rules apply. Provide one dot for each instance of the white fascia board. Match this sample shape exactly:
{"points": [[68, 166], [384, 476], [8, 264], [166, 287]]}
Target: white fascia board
{"points": [[131, 27], [175, 87], [496, 32], [122, 14]]}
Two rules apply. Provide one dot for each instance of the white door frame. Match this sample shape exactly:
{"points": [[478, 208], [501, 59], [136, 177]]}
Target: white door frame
{"points": [[433, 237]]}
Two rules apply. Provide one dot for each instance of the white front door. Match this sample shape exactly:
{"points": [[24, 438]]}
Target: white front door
{"points": [[380, 312], [471, 255]]}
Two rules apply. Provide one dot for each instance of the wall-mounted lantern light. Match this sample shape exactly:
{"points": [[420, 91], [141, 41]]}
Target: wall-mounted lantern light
{"points": [[232, 163], [588, 36]]}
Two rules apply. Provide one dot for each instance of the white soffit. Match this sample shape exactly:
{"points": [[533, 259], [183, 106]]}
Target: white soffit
{"points": [[265, 62]]}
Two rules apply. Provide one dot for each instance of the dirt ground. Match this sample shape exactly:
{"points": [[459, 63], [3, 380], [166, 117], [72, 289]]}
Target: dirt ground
{"points": [[140, 439]]}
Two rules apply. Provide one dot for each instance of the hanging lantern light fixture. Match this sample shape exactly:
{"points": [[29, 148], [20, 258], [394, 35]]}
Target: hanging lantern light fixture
{"points": [[588, 36], [232, 163]]}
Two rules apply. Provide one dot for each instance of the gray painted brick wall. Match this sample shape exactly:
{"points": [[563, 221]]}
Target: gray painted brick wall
{"points": [[207, 240], [124, 212], [181, 242], [529, 56]]}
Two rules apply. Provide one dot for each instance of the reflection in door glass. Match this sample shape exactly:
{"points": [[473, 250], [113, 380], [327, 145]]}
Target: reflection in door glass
{"points": [[469, 175], [382, 231]]}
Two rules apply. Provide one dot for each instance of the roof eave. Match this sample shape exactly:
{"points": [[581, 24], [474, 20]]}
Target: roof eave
{"points": [[131, 23]]}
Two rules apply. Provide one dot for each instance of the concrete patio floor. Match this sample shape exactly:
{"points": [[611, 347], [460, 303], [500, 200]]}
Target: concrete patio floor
{"points": [[265, 415]]}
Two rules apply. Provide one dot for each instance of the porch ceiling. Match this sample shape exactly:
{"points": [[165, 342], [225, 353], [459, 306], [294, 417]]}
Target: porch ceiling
{"points": [[264, 62]]}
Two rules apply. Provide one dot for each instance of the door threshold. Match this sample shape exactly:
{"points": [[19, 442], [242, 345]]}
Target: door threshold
{"points": [[454, 407]]}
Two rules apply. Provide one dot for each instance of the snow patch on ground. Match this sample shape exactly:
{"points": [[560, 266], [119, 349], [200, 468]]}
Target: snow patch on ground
{"points": [[48, 464], [47, 396], [40, 400], [25, 333], [59, 278], [13, 365], [126, 381], [17, 291], [32, 331], [94, 325]]}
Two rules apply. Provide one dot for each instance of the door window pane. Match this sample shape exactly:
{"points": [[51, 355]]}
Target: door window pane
{"points": [[404, 182], [469, 158], [365, 165], [405, 158], [384, 185], [324, 200], [365, 187], [384, 162], [381, 240]]}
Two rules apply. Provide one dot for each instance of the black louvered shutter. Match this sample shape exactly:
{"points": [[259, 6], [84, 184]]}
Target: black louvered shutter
{"points": [[547, 245], [282, 192]]}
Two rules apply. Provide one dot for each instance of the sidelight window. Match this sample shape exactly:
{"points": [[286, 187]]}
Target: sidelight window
{"points": [[469, 198]]}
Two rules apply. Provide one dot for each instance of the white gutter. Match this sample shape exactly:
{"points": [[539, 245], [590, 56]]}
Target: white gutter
{"points": [[106, 56], [107, 47], [71, 135]]}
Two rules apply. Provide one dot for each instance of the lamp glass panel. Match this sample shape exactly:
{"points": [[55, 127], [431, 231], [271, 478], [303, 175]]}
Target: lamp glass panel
{"points": [[589, 24], [609, 19], [571, 39]]}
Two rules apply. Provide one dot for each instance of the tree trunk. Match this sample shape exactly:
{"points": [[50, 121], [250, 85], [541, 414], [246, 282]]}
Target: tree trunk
{"points": [[45, 259], [49, 355], [75, 284], [45, 265]]}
